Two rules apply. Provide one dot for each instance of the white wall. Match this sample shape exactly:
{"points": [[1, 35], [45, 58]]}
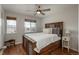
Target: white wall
{"points": [[20, 26], [39, 25], [69, 15], [2, 27], [78, 28]]}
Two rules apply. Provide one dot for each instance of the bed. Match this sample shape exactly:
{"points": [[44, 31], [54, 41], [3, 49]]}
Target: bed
{"points": [[43, 43]]}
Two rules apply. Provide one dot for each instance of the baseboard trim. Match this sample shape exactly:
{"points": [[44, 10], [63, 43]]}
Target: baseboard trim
{"points": [[74, 49], [2, 50]]}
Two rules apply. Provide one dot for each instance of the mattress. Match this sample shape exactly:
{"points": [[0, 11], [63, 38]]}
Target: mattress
{"points": [[42, 39]]}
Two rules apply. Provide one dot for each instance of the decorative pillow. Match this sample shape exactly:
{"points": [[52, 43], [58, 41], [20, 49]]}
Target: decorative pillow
{"points": [[56, 31], [47, 30], [50, 30]]}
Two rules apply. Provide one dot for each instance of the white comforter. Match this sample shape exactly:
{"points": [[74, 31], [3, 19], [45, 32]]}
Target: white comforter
{"points": [[42, 39]]}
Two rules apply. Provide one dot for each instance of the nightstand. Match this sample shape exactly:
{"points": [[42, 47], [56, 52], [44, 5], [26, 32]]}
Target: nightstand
{"points": [[66, 42]]}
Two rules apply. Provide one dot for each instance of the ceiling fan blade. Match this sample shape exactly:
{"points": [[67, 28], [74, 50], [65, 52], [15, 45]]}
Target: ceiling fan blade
{"points": [[46, 9], [42, 13]]}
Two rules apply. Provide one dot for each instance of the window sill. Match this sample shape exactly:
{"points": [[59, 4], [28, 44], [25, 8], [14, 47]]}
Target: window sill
{"points": [[10, 33]]}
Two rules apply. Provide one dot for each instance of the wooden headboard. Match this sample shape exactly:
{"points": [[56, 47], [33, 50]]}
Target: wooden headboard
{"points": [[56, 25]]}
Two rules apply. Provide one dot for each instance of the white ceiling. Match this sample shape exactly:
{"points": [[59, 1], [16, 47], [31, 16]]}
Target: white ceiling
{"points": [[21, 8]]}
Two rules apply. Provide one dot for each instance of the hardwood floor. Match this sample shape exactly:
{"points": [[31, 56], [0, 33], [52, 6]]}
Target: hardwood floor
{"points": [[15, 50], [64, 52], [18, 50]]}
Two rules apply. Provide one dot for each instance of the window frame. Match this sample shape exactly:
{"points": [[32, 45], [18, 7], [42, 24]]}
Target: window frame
{"points": [[11, 25], [30, 26]]}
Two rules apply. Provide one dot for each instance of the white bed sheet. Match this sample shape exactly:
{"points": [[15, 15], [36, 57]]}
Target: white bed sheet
{"points": [[42, 39]]}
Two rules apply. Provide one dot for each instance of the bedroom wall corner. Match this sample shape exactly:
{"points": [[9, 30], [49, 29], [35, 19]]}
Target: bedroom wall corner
{"points": [[20, 26], [69, 15]]}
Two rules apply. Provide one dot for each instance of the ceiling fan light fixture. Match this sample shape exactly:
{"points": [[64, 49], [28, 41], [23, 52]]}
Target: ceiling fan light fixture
{"points": [[38, 12]]}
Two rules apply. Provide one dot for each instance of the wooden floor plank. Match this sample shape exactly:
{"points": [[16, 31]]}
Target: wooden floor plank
{"points": [[18, 50]]}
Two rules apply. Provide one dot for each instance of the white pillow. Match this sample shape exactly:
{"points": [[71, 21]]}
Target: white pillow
{"points": [[50, 30], [47, 30]]}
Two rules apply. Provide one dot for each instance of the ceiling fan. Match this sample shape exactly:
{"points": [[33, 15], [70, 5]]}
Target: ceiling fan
{"points": [[39, 10]]}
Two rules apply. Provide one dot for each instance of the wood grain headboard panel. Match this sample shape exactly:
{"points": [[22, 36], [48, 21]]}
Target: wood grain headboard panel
{"points": [[56, 25]]}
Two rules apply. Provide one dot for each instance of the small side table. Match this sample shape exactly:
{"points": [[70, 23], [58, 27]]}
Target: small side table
{"points": [[66, 42], [10, 43]]}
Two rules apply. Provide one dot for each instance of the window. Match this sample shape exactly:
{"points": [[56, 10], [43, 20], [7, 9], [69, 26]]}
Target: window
{"points": [[33, 26], [27, 27], [30, 26], [11, 26]]}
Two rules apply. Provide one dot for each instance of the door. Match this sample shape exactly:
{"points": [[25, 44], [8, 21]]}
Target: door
{"points": [[0, 29]]}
